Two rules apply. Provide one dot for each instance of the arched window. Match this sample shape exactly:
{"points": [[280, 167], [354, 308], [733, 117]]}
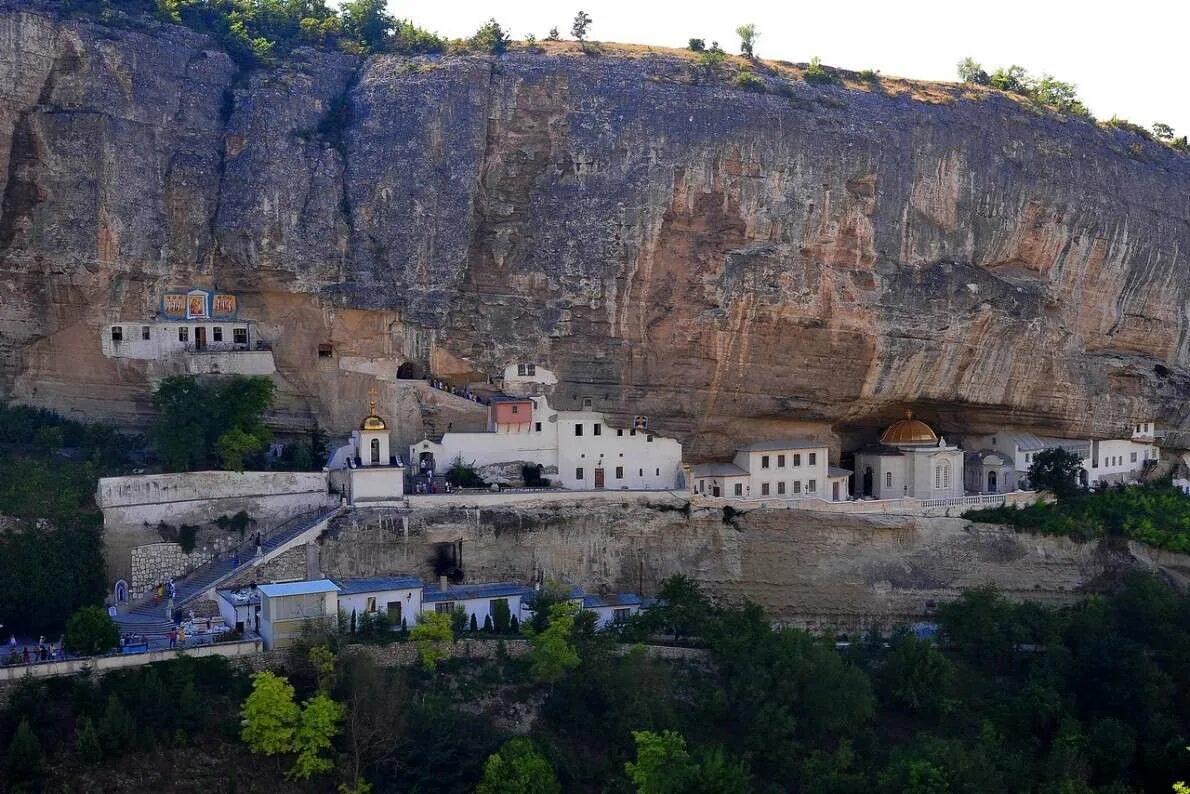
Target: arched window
{"points": [[888, 479], [375, 450], [942, 476]]}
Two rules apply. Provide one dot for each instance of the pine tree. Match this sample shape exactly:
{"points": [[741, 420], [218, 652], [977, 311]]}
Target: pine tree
{"points": [[116, 728], [487, 623], [24, 754], [474, 623], [87, 744]]}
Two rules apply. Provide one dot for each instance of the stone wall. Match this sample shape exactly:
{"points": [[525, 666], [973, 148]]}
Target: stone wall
{"points": [[806, 568]]}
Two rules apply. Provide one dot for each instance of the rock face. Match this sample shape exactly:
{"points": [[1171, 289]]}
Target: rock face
{"points": [[812, 569], [729, 263]]}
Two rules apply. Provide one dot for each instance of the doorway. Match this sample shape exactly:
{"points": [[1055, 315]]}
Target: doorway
{"points": [[375, 451], [991, 482], [599, 478], [834, 491], [200, 337], [715, 492], [868, 481]]}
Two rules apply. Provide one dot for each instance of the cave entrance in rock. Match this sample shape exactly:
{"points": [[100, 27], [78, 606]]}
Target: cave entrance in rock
{"points": [[408, 371], [868, 481], [991, 482]]}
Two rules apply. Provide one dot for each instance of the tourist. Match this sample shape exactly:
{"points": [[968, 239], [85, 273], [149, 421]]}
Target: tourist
{"points": [[12, 643], [25, 655], [235, 558], [259, 551], [173, 637]]}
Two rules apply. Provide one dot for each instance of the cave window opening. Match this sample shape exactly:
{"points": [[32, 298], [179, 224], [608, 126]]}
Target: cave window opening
{"points": [[144, 332], [327, 351], [117, 333], [239, 336]]}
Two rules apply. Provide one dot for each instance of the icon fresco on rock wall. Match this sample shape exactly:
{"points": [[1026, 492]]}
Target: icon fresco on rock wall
{"points": [[199, 304]]}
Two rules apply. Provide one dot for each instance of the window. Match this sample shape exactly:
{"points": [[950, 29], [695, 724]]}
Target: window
{"points": [[324, 351], [797, 460], [640, 472], [797, 486], [621, 615], [813, 458], [739, 489], [620, 433], [780, 461], [781, 487], [657, 472], [578, 473], [217, 333], [1134, 457], [812, 486], [516, 409], [240, 337], [702, 486], [586, 402], [888, 479], [144, 332], [371, 604], [537, 427], [117, 333], [183, 334], [764, 461], [444, 607], [649, 439], [578, 429], [531, 370], [764, 489], [619, 472], [942, 475], [596, 429]]}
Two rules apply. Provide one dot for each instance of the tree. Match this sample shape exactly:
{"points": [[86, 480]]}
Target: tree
{"points": [[368, 23], [87, 744], [490, 38], [24, 754], [320, 723], [117, 730], [684, 609], [696, 45], [474, 624], [90, 632], [553, 649], [918, 674], [971, 71], [517, 768], [1163, 132], [1014, 79], [1055, 470], [235, 445], [553, 35], [578, 29], [270, 717], [501, 616], [433, 635], [180, 430], [748, 35], [662, 763]]}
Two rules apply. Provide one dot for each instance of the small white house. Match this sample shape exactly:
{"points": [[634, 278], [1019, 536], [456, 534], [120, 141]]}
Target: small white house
{"points": [[364, 470], [787, 469], [612, 609], [240, 608], [397, 597], [287, 608], [477, 600]]}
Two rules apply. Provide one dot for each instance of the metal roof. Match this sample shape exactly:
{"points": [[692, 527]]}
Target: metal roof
{"points": [[780, 444], [717, 470], [464, 592], [378, 584], [835, 471], [611, 600], [299, 588]]}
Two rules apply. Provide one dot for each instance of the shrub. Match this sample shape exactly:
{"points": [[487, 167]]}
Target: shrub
{"points": [[186, 537], [490, 38], [748, 35], [713, 58], [971, 71], [24, 754], [553, 35], [501, 615], [86, 746], [869, 75], [696, 45], [817, 73], [749, 81], [578, 28], [90, 632], [464, 475]]}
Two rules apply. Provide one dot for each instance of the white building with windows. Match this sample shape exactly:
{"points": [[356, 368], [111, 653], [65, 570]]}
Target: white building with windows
{"points": [[396, 597], [287, 609], [784, 469], [910, 460], [477, 600], [1107, 461], [577, 449], [364, 470]]}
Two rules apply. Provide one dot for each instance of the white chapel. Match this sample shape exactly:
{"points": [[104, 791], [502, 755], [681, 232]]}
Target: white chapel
{"points": [[910, 460]]}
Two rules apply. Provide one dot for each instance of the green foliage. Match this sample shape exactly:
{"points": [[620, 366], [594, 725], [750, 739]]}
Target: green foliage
{"points": [[518, 769], [1055, 470], [270, 715], [90, 632], [198, 421], [971, 71], [748, 35], [458, 620], [711, 59], [554, 651], [1162, 132], [1156, 514], [578, 28], [24, 754], [322, 659], [683, 610], [552, 35], [817, 73], [86, 746], [48, 574], [463, 475], [186, 537], [367, 24], [432, 635], [490, 38], [662, 766], [869, 75], [320, 723], [501, 615], [474, 623], [116, 727], [750, 81], [918, 675], [697, 45]]}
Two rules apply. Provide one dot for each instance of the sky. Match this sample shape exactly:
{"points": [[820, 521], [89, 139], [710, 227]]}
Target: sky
{"points": [[1127, 58]]}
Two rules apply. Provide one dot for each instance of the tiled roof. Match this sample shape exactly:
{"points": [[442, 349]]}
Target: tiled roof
{"points": [[464, 592], [788, 443], [835, 471], [717, 470], [299, 588], [377, 584]]}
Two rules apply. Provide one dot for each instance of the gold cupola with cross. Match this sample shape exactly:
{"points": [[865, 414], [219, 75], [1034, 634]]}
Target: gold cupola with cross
{"points": [[373, 436]]}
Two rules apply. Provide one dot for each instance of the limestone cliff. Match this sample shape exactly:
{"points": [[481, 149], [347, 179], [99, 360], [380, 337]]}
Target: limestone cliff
{"points": [[727, 262]]}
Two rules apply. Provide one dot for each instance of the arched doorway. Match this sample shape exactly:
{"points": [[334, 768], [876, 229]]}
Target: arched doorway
{"points": [[868, 481], [121, 591], [425, 462], [408, 371], [991, 482], [375, 451], [1082, 477]]}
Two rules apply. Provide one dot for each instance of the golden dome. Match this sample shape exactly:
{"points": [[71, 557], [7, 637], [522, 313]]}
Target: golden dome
{"points": [[372, 421], [909, 431]]}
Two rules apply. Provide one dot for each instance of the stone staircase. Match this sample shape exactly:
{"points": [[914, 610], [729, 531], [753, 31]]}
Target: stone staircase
{"points": [[154, 620]]}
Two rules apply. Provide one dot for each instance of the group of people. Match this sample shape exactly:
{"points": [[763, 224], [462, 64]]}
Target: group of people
{"points": [[161, 591], [464, 392], [42, 652]]}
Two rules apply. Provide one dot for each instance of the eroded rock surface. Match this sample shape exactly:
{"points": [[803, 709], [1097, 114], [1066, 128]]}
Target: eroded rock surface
{"points": [[726, 262]]}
